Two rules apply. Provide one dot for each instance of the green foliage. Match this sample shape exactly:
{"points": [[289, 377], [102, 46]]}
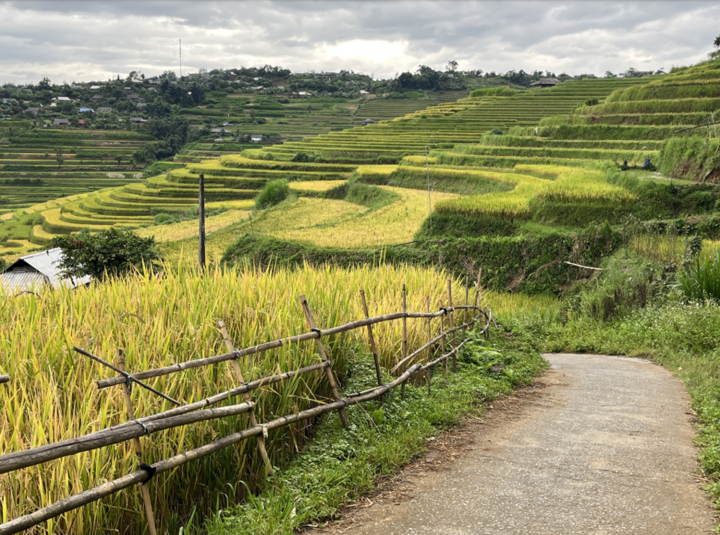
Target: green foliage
{"points": [[273, 193], [342, 464], [493, 92], [592, 102], [701, 280], [111, 252], [691, 158]]}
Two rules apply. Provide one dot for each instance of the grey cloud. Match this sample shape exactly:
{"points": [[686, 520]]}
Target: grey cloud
{"points": [[102, 38]]}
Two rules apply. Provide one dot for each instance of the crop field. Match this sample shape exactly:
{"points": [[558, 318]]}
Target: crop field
{"points": [[31, 173], [160, 320]]}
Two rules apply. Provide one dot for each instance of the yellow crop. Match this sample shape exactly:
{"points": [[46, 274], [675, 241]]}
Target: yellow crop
{"points": [[395, 223], [160, 320], [187, 229], [376, 170], [315, 185]]}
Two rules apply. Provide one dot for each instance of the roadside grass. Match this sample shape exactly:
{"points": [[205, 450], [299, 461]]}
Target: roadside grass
{"points": [[655, 323], [340, 465]]}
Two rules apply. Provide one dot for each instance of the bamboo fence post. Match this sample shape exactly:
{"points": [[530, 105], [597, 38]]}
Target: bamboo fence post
{"points": [[467, 299], [246, 397], [373, 347], [144, 491], [323, 355], [442, 341], [478, 288], [452, 323], [404, 340], [428, 372]]}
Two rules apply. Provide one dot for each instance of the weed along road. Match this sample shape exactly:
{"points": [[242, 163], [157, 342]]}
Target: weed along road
{"points": [[605, 447]]}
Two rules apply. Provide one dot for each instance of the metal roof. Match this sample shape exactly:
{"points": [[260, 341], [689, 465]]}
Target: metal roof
{"points": [[37, 270]]}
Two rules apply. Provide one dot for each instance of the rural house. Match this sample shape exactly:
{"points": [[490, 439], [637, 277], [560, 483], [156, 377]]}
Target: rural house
{"points": [[33, 111], [103, 109], [38, 270], [546, 82], [137, 120], [61, 122], [257, 138]]}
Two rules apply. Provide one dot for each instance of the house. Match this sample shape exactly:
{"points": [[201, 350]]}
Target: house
{"points": [[140, 105], [81, 122], [133, 96], [636, 74], [368, 121], [83, 110], [94, 87], [256, 138], [217, 130], [63, 99], [33, 111], [38, 270], [137, 120], [218, 140], [304, 93], [104, 109], [61, 122], [546, 82], [363, 92], [96, 98]]}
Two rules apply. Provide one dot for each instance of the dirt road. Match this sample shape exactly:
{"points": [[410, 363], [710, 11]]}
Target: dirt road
{"points": [[606, 447]]}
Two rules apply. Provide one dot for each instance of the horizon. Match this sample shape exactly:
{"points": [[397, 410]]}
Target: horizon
{"points": [[106, 39]]}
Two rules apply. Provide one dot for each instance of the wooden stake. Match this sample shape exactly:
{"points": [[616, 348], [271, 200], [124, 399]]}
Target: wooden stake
{"points": [[452, 322], [246, 397], [478, 288], [404, 340], [144, 491], [373, 347], [321, 349], [442, 342], [467, 297], [428, 373]]}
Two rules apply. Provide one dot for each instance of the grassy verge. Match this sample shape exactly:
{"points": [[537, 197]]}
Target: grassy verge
{"points": [[340, 465], [635, 308]]}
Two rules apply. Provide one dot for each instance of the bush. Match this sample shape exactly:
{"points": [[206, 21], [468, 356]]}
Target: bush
{"points": [[273, 193], [702, 280], [496, 132], [592, 102], [111, 252]]}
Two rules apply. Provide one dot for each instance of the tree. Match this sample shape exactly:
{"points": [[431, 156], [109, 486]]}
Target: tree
{"points": [[716, 42], [111, 252], [452, 65], [609, 74], [118, 159]]}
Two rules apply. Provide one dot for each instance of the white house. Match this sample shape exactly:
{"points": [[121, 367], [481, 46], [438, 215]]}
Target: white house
{"points": [[38, 270]]}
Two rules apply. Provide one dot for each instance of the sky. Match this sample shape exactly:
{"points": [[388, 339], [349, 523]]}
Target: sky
{"points": [[69, 41]]}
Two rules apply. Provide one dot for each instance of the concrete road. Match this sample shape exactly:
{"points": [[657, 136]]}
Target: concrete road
{"points": [[607, 448]]}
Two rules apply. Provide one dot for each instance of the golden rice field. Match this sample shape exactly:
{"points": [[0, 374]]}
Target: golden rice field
{"points": [[160, 320], [395, 223], [188, 229], [569, 185], [314, 185]]}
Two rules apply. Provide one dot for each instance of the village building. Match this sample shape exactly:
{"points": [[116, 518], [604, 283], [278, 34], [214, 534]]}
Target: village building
{"points": [[256, 138], [104, 109], [545, 83], [32, 111], [36, 271], [61, 122], [137, 120]]}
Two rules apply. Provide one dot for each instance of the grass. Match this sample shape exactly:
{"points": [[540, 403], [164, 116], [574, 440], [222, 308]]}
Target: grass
{"points": [[159, 320], [339, 466]]}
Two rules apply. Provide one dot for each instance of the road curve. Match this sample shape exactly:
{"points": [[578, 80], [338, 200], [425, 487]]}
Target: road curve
{"points": [[606, 449]]}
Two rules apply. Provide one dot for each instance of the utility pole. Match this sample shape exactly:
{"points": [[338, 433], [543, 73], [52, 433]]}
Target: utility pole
{"points": [[180, 55], [201, 245], [427, 167]]}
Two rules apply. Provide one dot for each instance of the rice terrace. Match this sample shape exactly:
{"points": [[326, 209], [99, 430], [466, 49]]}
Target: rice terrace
{"points": [[372, 290]]}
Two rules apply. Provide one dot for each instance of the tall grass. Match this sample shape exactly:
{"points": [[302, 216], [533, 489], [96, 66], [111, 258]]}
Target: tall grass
{"points": [[160, 320], [702, 279]]}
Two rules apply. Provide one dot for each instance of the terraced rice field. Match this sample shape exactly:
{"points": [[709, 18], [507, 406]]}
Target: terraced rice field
{"points": [[30, 172]]}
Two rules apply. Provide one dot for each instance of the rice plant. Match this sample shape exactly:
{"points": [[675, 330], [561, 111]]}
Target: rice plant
{"points": [[160, 320]]}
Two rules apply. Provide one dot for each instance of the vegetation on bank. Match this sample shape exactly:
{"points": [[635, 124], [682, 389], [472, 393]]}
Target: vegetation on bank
{"points": [[340, 465]]}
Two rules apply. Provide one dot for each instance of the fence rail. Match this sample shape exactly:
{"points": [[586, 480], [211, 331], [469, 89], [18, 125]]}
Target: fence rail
{"points": [[191, 413]]}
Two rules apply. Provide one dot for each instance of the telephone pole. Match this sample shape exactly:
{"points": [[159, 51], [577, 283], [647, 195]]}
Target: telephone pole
{"points": [[180, 55]]}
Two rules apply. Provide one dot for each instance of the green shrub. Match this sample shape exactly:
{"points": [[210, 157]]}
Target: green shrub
{"points": [[273, 193], [111, 252], [702, 279]]}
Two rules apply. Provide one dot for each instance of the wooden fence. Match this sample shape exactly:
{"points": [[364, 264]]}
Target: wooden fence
{"points": [[182, 415]]}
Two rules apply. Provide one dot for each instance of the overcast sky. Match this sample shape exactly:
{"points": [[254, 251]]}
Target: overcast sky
{"points": [[95, 40]]}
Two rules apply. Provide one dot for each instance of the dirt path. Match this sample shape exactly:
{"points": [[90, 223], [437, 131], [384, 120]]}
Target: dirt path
{"points": [[599, 445]]}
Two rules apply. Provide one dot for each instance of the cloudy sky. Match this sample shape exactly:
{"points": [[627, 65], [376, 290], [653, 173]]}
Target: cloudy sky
{"points": [[86, 40]]}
